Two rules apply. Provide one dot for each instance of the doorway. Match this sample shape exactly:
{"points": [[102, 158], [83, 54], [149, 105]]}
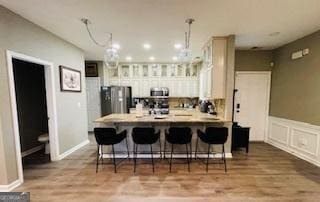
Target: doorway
{"points": [[50, 96], [30, 89], [251, 106]]}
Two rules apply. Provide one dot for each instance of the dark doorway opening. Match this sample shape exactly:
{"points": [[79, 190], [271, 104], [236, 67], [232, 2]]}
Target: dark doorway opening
{"points": [[30, 90]]}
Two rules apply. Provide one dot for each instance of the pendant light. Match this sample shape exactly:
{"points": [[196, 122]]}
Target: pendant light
{"points": [[185, 53], [111, 54]]}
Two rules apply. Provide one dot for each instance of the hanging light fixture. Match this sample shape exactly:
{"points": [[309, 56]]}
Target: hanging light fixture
{"points": [[185, 53], [111, 54]]}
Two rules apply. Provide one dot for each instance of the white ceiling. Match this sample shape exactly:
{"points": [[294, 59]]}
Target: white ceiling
{"points": [[161, 22]]}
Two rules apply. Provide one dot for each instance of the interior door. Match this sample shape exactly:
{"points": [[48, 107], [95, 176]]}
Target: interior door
{"points": [[252, 102], [93, 100]]}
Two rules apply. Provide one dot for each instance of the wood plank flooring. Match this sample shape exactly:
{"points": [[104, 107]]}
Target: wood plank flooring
{"points": [[265, 174]]}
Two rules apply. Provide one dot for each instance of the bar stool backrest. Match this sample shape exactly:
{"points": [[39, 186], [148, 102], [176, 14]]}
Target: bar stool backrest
{"points": [[143, 135], [105, 136], [179, 135], [217, 135]]}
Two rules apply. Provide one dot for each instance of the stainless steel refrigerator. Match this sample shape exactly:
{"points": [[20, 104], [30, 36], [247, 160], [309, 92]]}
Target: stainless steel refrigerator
{"points": [[115, 99]]}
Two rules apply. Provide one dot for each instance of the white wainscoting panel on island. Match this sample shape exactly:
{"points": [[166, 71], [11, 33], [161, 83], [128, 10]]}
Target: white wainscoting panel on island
{"points": [[298, 138]]}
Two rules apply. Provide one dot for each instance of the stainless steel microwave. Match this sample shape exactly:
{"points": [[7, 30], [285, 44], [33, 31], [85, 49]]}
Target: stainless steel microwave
{"points": [[160, 91]]}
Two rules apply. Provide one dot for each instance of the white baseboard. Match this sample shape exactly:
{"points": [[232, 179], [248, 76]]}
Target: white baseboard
{"points": [[32, 150], [297, 154], [11, 186], [157, 155], [70, 151], [297, 138]]}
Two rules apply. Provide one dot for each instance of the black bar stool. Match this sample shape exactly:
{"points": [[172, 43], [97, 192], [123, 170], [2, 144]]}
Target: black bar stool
{"points": [[144, 136], [214, 136], [109, 136], [180, 136]]}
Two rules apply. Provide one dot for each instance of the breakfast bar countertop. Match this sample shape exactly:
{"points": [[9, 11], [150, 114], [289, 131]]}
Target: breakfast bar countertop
{"points": [[179, 116]]}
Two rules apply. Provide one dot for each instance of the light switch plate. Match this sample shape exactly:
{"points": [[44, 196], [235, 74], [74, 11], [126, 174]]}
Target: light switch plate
{"points": [[305, 51], [296, 55]]}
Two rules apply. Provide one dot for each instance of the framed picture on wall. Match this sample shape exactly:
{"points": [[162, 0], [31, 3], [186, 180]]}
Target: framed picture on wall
{"points": [[91, 69], [70, 79]]}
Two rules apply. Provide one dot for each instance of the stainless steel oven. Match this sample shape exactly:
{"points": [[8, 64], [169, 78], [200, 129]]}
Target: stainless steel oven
{"points": [[160, 100]]}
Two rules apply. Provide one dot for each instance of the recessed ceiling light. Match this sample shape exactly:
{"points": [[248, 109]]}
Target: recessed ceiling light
{"points": [[129, 58], [177, 46], [175, 58], [151, 58], [146, 46], [116, 46], [274, 34]]}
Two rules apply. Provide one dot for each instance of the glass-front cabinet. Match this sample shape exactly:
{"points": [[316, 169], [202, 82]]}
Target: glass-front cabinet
{"points": [[172, 70], [187, 70], [125, 71], [154, 70], [113, 73], [135, 70], [164, 70], [194, 72], [181, 79], [179, 70], [145, 70]]}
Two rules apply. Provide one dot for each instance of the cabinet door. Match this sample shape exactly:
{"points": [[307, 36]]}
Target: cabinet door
{"points": [[113, 82], [135, 84], [113, 73], [172, 70], [194, 86], [144, 88], [135, 71], [125, 71], [209, 87], [164, 70], [219, 68], [145, 71], [154, 70], [125, 83], [154, 83]]}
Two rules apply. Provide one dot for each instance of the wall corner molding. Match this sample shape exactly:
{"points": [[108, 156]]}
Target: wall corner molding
{"points": [[11, 186]]}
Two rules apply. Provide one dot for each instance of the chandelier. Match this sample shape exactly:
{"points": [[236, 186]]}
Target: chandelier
{"points": [[185, 53], [111, 54]]}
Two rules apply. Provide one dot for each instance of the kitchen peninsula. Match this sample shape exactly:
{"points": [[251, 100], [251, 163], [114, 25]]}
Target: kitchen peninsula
{"points": [[188, 117]]}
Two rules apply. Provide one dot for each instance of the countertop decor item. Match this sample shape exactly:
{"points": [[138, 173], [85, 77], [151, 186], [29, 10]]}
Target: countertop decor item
{"points": [[70, 79]]}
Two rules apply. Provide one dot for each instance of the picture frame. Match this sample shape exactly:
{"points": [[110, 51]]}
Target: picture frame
{"points": [[70, 79], [91, 69]]}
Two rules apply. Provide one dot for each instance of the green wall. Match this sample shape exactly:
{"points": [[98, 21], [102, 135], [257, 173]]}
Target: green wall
{"points": [[253, 60], [295, 89]]}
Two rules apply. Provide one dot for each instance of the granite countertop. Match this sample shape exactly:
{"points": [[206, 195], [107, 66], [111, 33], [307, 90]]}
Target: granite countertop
{"points": [[182, 116]]}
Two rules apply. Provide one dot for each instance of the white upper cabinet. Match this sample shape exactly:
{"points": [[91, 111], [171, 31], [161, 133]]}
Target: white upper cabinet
{"points": [[182, 80], [154, 70], [125, 71], [135, 71], [214, 61], [145, 71]]}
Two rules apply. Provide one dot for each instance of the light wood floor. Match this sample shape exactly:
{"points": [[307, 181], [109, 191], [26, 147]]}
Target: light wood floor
{"points": [[265, 174]]}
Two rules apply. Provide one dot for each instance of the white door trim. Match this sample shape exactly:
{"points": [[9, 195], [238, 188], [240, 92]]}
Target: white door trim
{"points": [[267, 73], [51, 106]]}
